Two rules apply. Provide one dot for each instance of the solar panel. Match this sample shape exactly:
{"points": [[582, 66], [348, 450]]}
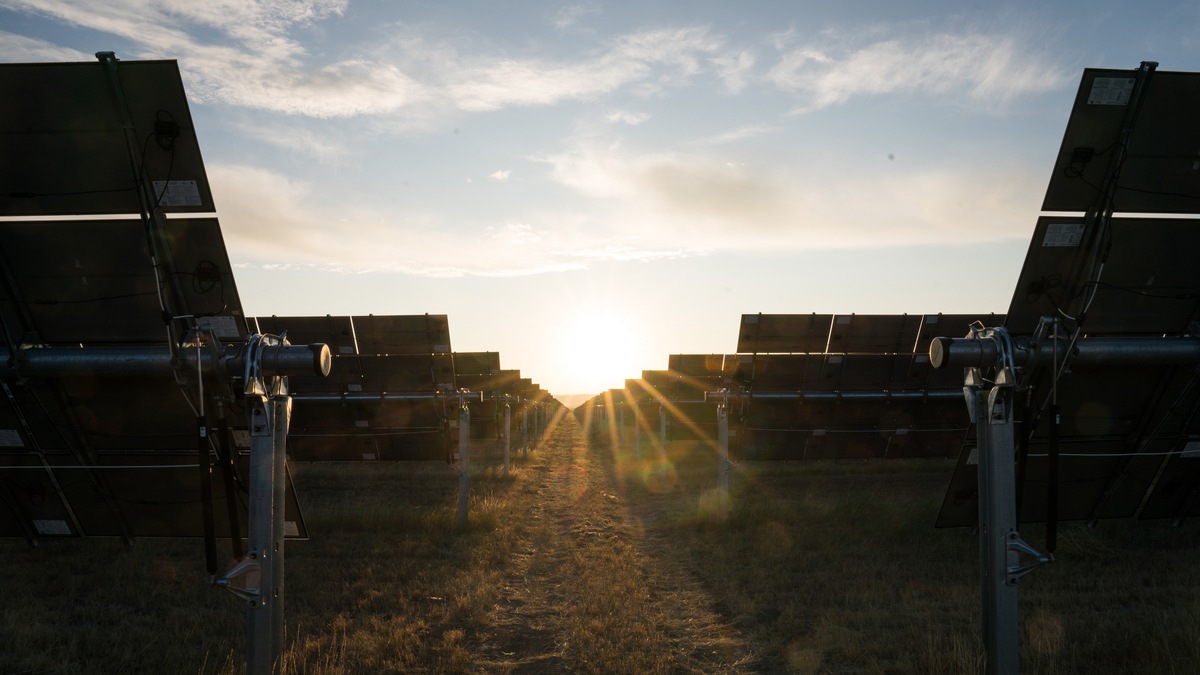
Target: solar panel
{"points": [[1148, 284], [402, 334], [135, 399], [94, 282], [873, 333], [63, 122], [1158, 170], [784, 333], [1091, 384]]}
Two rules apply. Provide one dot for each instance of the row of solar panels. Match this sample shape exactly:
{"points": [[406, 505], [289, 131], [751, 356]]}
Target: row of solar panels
{"points": [[1130, 436], [134, 260]]}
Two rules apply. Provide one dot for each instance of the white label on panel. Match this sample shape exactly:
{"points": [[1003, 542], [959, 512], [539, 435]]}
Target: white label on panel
{"points": [[9, 438], [1063, 234], [1111, 91], [53, 527], [973, 458], [1191, 449], [241, 438], [223, 326], [290, 529], [177, 193]]}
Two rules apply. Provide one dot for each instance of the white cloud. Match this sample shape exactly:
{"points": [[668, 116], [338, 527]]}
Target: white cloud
{"points": [[489, 84], [738, 134], [501, 175], [983, 67], [255, 60], [569, 16], [269, 220], [260, 66], [297, 140], [734, 69], [626, 117], [712, 203], [21, 49]]}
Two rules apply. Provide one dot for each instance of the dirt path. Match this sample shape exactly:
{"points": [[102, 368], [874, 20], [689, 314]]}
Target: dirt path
{"points": [[584, 594]]}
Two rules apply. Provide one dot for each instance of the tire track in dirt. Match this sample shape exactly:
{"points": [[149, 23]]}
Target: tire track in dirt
{"points": [[582, 594]]}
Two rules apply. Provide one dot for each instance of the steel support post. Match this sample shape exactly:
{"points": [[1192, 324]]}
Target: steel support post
{"points": [[507, 424], [464, 456], [268, 481], [996, 453], [723, 464], [621, 424], [662, 424], [637, 435], [524, 428]]}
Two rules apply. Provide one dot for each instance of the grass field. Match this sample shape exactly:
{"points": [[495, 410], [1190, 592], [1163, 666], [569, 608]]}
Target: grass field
{"points": [[599, 559]]}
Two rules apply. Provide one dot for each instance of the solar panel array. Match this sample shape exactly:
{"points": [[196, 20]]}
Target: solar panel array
{"points": [[865, 389], [93, 451], [1129, 431], [1091, 383], [389, 393], [137, 398]]}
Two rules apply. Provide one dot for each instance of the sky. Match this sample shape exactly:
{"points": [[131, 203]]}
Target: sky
{"points": [[588, 188]]}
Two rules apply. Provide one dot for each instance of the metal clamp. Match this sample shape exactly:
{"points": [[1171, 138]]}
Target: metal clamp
{"points": [[245, 567], [1018, 545]]}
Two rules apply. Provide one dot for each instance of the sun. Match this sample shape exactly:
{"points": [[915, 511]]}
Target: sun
{"points": [[597, 350]]}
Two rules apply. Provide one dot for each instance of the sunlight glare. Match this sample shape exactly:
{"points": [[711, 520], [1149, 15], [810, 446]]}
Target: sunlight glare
{"points": [[598, 349]]}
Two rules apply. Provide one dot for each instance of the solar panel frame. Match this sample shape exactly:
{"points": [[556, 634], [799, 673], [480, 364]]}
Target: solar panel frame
{"points": [[68, 131], [402, 334], [784, 333], [97, 284], [1158, 175]]}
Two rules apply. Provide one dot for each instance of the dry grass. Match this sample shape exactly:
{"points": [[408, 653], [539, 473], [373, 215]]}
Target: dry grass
{"points": [[594, 558]]}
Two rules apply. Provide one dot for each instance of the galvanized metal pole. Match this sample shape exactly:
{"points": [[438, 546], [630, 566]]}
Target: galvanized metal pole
{"points": [[507, 423], [464, 452], [621, 424], [662, 424], [637, 435], [268, 433], [996, 454], [723, 464]]}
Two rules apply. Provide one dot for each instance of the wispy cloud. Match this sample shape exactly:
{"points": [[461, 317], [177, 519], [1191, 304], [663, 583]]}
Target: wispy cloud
{"points": [[991, 68], [270, 220], [739, 134], [713, 203], [569, 16], [500, 175], [18, 49], [479, 84], [254, 60], [626, 117], [735, 69], [257, 64]]}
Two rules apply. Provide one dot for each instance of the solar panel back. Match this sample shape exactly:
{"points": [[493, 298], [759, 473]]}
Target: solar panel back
{"points": [[63, 122]]}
